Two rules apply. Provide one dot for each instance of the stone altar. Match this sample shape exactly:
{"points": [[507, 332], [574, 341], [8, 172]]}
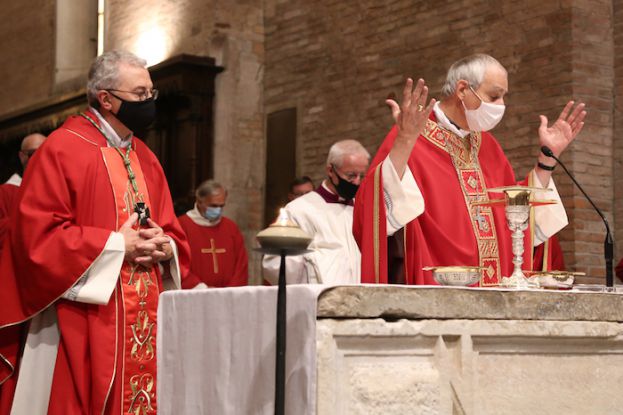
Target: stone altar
{"points": [[432, 350], [392, 350]]}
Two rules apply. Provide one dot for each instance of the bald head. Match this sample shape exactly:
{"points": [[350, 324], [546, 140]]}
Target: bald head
{"points": [[30, 143]]}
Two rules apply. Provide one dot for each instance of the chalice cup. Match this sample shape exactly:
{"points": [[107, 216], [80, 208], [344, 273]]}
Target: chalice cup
{"points": [[517, 209]]}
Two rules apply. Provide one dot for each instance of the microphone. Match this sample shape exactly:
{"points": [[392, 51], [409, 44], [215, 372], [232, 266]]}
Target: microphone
{"points": [[608, 243]]}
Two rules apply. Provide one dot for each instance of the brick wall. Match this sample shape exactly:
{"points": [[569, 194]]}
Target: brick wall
{"points": [[336, 61], [618, 125], [27, 52], [592, 155]]}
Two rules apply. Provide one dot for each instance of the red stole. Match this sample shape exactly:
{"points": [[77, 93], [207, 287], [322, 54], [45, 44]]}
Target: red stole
{"points": [[139, 297], [454, 229]]}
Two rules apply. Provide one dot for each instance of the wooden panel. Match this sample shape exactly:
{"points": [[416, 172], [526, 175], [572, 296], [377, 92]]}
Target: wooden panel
{"points": [[280, 160]]}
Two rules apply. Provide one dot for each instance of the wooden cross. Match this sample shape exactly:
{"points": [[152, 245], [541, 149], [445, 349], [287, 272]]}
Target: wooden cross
{"points": [[213, 250]]}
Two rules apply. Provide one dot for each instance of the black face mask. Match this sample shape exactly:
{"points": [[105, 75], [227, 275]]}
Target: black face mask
{"points": [[345, 189], [136, 115]]}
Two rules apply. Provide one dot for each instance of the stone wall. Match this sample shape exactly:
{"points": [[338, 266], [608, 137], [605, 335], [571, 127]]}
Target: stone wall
{"points": [[336, 62], [232, 32]]}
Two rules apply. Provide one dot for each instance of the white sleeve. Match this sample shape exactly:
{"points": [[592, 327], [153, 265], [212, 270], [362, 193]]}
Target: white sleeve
{"points": [[548, 219], [296, 271], [172, 280], [296, 266], [98, 282], [403, 199]]}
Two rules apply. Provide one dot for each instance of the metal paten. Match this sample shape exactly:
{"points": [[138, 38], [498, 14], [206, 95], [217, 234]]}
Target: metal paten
{"points": [[556, 280]]}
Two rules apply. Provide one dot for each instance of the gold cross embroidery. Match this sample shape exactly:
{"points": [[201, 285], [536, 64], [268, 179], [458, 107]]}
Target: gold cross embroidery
{"points": [[213, 250]]}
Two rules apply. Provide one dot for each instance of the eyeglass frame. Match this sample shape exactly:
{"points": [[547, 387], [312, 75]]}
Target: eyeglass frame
{"points": [[153, 94], [350, 177]]}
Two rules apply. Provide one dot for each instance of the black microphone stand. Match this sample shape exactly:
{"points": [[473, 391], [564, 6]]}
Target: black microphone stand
{"points": [[609, 242]]}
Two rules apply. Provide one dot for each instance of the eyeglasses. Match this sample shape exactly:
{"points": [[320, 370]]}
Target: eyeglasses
{"points": [[142, 95], [351, 177]]}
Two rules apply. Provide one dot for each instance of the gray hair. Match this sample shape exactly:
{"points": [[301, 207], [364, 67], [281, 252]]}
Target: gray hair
{"points": [[471, 69], [209, 188], [343, 148], [104, 72]]}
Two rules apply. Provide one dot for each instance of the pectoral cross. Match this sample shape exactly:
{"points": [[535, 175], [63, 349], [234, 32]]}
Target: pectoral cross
{"points": [[213, 250], [482, 221], [143, 213]]}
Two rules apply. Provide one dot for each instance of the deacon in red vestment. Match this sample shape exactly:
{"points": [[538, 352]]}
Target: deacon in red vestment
{"points": [[93, 243], [431, 175], [219, 258]]}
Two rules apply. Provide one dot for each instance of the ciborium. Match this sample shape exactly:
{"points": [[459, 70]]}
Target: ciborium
{"points": [[517, 209]]}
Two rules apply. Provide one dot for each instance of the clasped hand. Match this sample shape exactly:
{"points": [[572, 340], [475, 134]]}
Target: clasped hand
{"points": [[145, 246]]}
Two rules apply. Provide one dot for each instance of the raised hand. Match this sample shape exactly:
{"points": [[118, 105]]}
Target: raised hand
{"points": [[564, 130], [410, 118], [411, 115]]}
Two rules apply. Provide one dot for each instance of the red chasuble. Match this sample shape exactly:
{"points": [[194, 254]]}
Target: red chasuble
{"points": [[76, 192], [452, 230], [219, 258], [8, 199]]}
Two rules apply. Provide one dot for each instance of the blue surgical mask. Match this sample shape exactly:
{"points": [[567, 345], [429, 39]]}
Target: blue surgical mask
{"points": [[213, 213]]}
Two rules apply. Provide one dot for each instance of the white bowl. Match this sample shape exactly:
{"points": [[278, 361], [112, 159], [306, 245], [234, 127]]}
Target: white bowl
{"points": [[455, 275]]}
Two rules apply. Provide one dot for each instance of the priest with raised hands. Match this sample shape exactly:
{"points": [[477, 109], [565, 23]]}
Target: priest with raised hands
{"points": [[431, 174], [94, 242]]}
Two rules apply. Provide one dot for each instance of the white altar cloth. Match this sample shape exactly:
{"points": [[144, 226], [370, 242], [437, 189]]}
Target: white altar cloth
{"points": [[216, 351]]}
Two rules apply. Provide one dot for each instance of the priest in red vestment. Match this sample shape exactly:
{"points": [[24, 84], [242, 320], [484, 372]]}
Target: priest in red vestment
{"points": [[8, 199], [431, 175], [93, 243], [219, 258], [9, 190]]}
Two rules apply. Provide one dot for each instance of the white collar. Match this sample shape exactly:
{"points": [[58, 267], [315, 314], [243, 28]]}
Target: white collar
{"points": [[111, 134], [445, 123], [15, 180], [323, 184], [199, 219]]}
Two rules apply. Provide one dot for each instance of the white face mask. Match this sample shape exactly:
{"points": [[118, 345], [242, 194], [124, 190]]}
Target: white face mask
{"points": [[485, 117]]}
